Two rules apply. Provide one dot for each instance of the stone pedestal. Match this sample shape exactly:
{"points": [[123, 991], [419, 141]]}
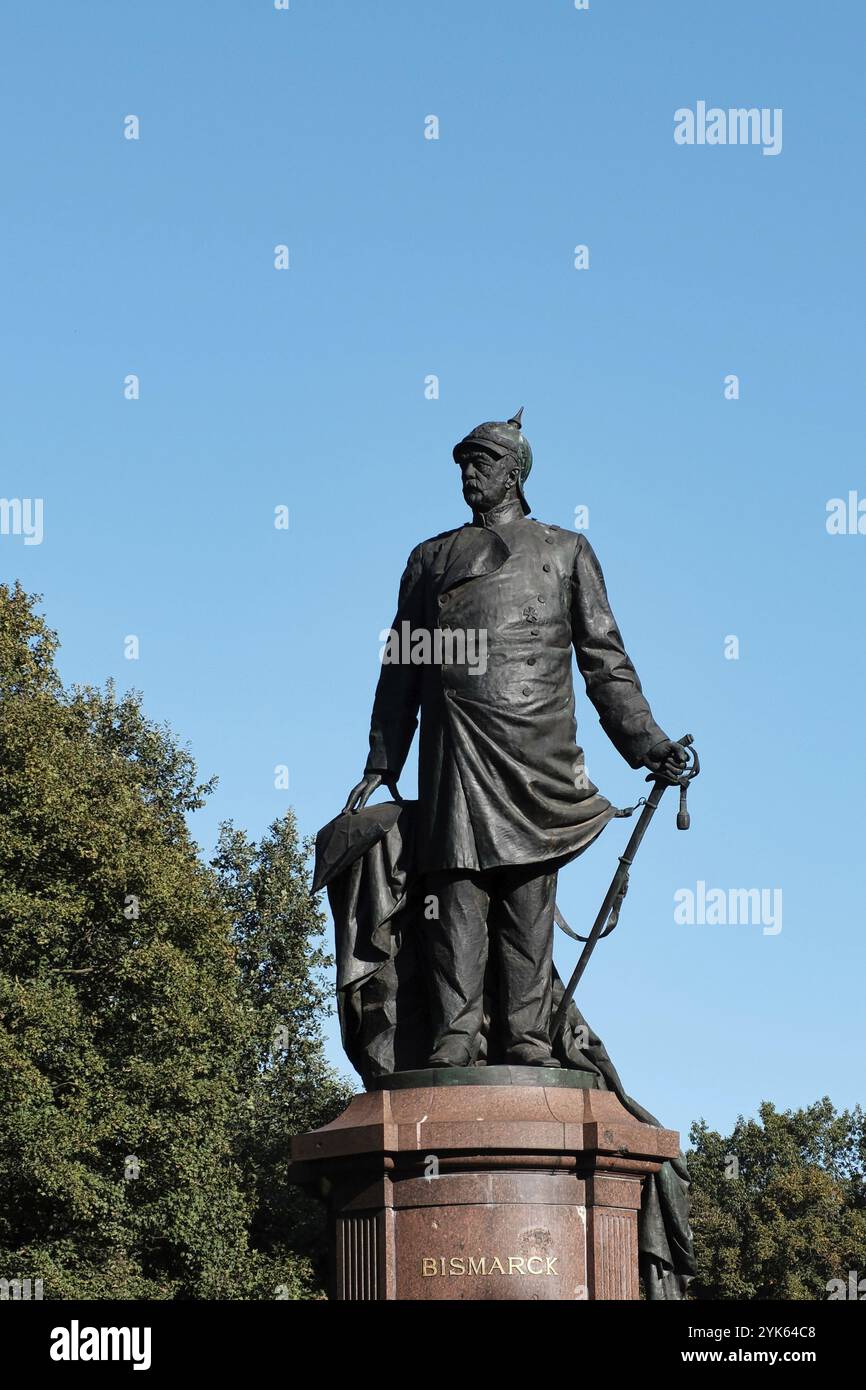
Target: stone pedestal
{"points": [[483, 1183]]}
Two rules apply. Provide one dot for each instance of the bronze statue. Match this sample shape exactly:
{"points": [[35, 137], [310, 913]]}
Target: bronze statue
{"points": [[503, 796], [444, 907]]}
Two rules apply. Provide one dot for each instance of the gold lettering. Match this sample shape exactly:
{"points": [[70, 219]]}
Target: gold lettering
{"points": [[517, 1264]]}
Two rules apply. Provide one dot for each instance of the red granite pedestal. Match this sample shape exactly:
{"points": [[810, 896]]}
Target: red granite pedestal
{"points": [[523, 1185]]}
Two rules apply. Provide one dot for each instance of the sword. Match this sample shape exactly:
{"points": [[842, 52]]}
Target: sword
{"points": [[619, 883]]}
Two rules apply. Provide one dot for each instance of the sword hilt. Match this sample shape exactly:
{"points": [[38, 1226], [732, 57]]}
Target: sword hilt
{"points": [[690, 772]]}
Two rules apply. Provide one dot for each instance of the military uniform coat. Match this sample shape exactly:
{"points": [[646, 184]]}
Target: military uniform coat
{"points": [[501, 778]]}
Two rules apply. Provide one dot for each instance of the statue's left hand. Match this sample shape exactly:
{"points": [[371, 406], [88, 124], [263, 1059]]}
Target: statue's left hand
{"points": [[666, 760], [360, 794]]}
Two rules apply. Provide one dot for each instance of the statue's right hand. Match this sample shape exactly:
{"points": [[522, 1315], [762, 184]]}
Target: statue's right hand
{"points": [[360, 794]]}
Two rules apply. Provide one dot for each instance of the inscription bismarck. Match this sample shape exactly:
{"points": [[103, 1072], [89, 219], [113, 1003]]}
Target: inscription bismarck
{"points": [[442, 1266]]}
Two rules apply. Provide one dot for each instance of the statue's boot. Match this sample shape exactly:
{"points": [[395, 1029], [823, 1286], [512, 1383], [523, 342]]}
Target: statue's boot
{"points": [[530, 1057], [455, 1055]]}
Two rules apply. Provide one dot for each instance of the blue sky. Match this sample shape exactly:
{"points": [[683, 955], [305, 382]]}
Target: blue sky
{"points": [[305, 387]]}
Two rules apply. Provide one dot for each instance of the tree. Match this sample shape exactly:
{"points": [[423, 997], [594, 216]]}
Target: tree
{"points": [[778, 1208], [136, 1096]]}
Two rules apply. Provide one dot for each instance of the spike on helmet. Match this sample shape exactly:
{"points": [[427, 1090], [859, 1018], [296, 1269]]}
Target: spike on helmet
{"points": [[503, 438]]}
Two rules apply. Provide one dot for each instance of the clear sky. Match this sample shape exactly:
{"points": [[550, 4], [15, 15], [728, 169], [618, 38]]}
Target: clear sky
{"points": [[412, 257]]}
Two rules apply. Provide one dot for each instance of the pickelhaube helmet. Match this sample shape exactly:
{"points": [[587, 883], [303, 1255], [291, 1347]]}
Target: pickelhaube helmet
{"points": [[502, 438]]}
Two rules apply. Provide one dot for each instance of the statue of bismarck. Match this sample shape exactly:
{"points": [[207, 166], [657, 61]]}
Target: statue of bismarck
{"points": [[503, 796]]}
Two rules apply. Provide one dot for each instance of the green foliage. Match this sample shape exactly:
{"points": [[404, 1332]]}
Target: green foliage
{"points": [[145, 1113], [793, 1217]]}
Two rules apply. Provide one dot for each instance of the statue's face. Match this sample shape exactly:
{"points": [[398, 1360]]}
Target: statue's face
{"points": [[487, 480]]}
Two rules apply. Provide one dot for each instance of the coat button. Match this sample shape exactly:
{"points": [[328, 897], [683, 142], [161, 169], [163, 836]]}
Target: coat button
{"points": [[541, 598], [530, 661], [526, 690], [546, 569]]}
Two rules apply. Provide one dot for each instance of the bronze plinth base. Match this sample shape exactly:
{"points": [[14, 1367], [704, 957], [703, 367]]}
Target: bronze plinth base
{"points": [[483, 1190]]}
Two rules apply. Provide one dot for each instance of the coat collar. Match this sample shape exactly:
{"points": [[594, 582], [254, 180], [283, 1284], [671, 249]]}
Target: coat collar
{"points": [[512, 510]]}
